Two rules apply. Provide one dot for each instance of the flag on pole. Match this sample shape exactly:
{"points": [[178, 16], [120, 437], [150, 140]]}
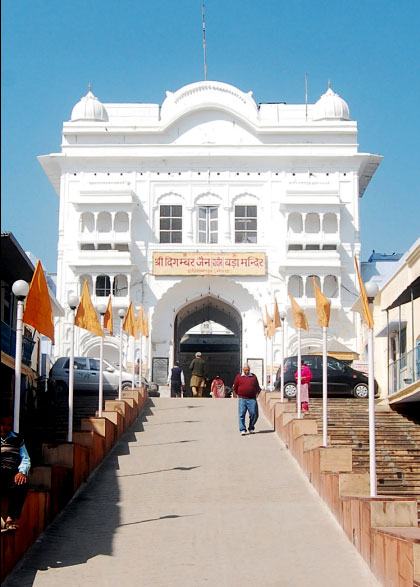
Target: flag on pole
{"points": [[276, 316], [86, 316], [108, 322], [140, 320], [38, 311], [323, 306], [299, 317], [130, 325], [365, 302], [270, 325], [146, 326]]}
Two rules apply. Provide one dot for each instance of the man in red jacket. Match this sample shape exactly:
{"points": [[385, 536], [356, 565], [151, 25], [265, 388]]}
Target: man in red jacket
{"points": [[247, 388]]}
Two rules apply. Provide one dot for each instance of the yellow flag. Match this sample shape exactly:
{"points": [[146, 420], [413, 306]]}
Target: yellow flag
{"points": [[365, 302], [270, 325], [130, 325], [108, 322], [276, 317], [140, 320], [86, 316], [323, 306], [299, 317], [146, 326], [38, 311]]}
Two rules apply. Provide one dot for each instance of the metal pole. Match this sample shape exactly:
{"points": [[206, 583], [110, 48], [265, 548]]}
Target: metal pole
{"points": [[140, 359], [121, 354], [71, 378], [271, 366], [324, 388], [372, 448], [134, 362], [282, 364], [265, 365], [299, 370], [18, 363], [101, 371]]}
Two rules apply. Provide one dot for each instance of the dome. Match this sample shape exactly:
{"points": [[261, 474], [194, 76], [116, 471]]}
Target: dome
{"points": [[89, 108], [331, 106]]}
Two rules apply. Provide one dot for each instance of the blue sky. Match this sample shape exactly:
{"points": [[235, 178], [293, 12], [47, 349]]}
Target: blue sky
{"points": [[133, 51]]}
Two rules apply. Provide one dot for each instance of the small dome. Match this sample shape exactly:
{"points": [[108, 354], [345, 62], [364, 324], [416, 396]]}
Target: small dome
{"points": [[331, 107], [89, 108]]}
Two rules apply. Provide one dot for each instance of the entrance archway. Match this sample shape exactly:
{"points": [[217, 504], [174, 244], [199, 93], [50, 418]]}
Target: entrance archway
{"points": [[221, 351]]}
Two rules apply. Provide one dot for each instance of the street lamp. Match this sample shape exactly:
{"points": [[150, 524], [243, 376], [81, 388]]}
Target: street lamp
{"points": [[73, 302], [121, 314], [102, 312], [283, 315], [20, 289], [371, 288]]}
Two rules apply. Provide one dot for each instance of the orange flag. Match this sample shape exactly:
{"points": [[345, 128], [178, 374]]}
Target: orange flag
{"points": [[140, 320], [365, 302], [276, 317], [108, 322], [299, 317], [270, 325], [323, 306], [86, 316], [130, 325], [38, 311], [146, 326]]}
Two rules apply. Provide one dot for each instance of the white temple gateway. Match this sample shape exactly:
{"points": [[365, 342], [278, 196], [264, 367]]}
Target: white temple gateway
{"points": [[204, 209]]}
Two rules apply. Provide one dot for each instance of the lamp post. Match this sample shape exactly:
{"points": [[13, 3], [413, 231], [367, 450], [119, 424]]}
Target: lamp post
{"points": [[20, 289], [121, 314], [282, 318], [73, 302], [371, 290], [102, 312]]}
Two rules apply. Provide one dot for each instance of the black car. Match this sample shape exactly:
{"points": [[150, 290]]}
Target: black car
{"points": [[341, 378]]}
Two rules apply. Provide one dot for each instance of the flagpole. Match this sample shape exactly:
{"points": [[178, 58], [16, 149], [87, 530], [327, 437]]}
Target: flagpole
{"points": [[266, 361], [299, 371], [20, 289], [271, 366], [121, 314], [73, 303], [140, 359], [102, 311], [371, 289], [324, 388], [282, 318]]}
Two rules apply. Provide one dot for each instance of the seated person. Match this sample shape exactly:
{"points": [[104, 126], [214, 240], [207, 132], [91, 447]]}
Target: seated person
{"points": [[15, 465]]}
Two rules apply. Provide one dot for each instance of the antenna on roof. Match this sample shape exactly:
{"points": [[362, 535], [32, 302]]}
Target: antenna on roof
{"points": [[306, 96], [204, 43]]}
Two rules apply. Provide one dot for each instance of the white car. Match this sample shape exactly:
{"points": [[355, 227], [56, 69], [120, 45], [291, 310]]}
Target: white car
{"points": [[86, 375]]}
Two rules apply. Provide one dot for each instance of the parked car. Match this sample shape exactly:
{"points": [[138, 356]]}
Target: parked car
{"points": [[341, 377], [86, 375], [151, 387]]}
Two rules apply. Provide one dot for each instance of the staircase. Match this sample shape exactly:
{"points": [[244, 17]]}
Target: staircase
{"points": [[397, 443]]}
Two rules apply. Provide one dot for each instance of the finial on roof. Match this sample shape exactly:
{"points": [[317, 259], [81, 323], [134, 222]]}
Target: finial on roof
{"points": [[90, 87], [329, 83]]}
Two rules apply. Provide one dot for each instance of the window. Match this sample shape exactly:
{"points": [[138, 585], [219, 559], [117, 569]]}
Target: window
{"points": [[120, 286], [295, 248], [171, 224], [334, 365], [310, 291], [245, 224], [295, 286], [87, 247], [103, 285], [80, 364], [207, 224]]}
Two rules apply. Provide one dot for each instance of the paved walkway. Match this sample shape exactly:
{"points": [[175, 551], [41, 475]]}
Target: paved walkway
{"points": [[184, 500]]}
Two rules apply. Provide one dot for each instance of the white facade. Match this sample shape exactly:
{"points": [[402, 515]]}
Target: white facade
{"points": [[289, 176]]}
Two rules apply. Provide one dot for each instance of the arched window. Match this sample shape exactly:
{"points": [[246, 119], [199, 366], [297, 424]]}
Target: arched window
{"points": [[294, 223], [120, 286], [331, 286], [121, 222], [295, 286], [312, 223], [329, 223], [103, 285], [87, 223], [82, 280], [104, 222], [309, 289]]}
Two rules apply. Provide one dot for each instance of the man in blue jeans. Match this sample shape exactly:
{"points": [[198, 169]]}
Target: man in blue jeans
{"points": [[247, 388]]}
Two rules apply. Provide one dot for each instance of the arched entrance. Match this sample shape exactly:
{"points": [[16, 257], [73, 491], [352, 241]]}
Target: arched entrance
{"points": [[221, 351]]}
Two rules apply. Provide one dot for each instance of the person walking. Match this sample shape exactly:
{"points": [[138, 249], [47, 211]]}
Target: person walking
{"points": [[198, 370], [247, 388], [218, 387], [15, 465], [305, 378], [176, 380]]}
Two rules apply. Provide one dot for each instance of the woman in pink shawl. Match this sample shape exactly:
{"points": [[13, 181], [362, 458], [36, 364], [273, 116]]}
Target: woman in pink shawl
{"points": [[218, 387], [306, 376]]}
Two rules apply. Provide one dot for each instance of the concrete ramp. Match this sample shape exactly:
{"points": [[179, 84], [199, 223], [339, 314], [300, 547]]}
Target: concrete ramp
{"points": [[184, 500]]}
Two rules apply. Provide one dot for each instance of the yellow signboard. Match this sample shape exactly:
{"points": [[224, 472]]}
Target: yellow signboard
{"points": [[209, 263]]}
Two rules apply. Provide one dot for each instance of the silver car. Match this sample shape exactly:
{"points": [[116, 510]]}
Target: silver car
{"points": [[86, 375]]}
